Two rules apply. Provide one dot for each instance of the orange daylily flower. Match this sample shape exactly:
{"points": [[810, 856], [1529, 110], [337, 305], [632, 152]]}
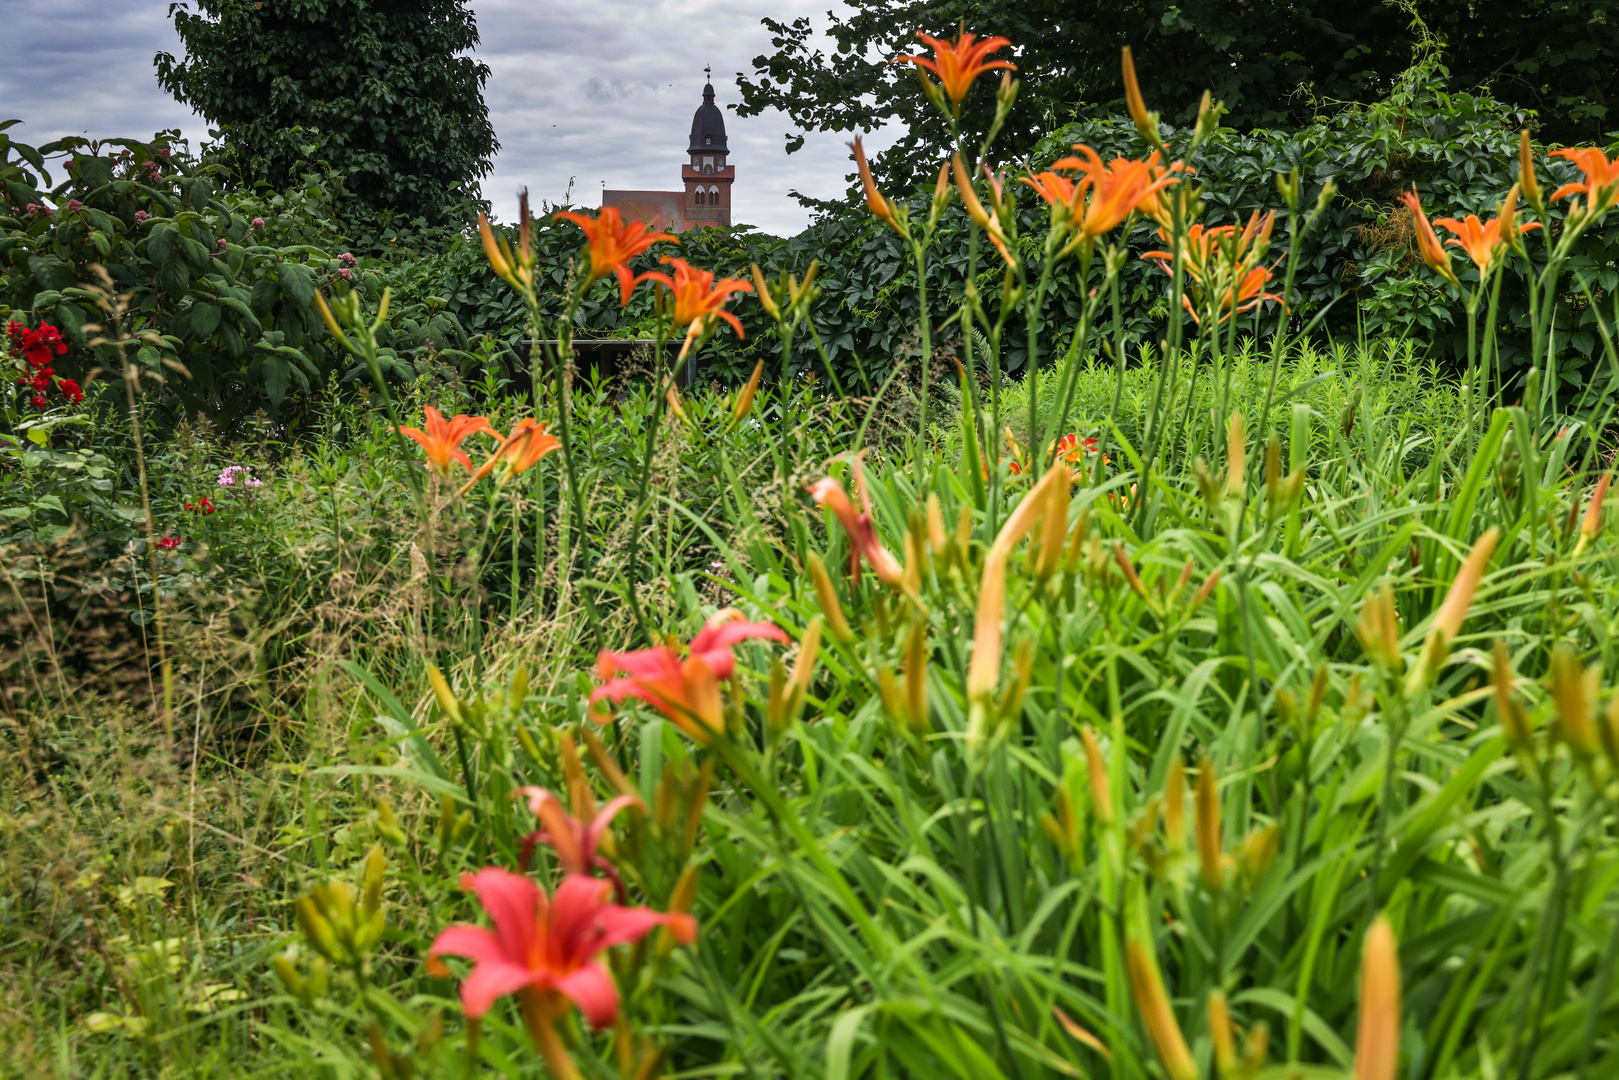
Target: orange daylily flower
{"points": [[1428, 246], [528, 443], [862, 531], [1483, 240], [1060, 193], [614, 243], [698, 297], [442, 439], [1601, 184], [1243, 296], [1200, 250], [957, 63], [1119, 187]]}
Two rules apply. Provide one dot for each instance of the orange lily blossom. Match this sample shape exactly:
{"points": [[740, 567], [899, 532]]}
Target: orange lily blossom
{"points": [[1428, 246], [614, 243], [1601, 184], [1119, 187], [1246, 296], [957, 63], [528, 443], [442, 439], [1059, 192], [687, 690], [1482, 240], [862, 531], [697, 294]]}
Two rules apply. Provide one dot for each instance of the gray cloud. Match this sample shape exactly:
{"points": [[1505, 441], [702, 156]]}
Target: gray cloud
{"points": [[600, 93]]}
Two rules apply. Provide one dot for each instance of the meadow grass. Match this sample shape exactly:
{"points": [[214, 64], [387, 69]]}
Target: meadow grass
{"points": [[895, 875]]}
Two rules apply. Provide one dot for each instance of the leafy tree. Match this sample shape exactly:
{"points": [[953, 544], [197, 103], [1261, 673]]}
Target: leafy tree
{"points": [[1269, 61], [1273, 63], [379, 90], [1551, 56]]}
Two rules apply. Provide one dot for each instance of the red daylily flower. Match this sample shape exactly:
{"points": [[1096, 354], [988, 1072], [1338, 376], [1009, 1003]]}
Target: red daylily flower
{"points": [[442, 439], [574, 841], [687, 690], [957, 63], [828, 493], [544, 949]]}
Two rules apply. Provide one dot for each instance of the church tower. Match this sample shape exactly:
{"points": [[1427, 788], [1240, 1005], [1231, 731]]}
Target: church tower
{"points": [[706, 176]]}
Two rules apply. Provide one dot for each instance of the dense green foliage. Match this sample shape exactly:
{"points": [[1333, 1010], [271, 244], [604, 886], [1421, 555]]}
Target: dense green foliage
{"points": [[381, 92], [221, 285], [1274, 65]]}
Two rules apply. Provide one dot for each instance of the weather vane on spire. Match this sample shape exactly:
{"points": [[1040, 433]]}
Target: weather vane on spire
{"points": [[708, 72]]}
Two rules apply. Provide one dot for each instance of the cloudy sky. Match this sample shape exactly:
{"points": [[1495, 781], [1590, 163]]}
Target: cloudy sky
{"points": [[596, 93]]}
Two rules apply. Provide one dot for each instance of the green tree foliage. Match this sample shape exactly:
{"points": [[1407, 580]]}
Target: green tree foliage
{"points": [[1273, 64], [380, 90]]}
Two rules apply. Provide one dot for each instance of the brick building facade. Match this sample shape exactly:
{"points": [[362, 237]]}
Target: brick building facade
{"points": [[706, 178]]}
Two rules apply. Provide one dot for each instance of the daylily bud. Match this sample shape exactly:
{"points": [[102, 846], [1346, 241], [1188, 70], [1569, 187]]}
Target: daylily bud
{"points": [[1287, 186], [1146, 122], [1225, 1043], [1131, 578], [1147, 987], [524, 251], [1258, 850], [762, 290], [1527, 181], [1175, 807], [1236, 458], [1572, 690], [330, 320], [941, 193], [881, 208], [1061, 824], [1206, 485], [1207, 825], [1377, 1037], [1379, 629], [1053, 530], [1204, 590], [1101, 789], [1005, 97], [938, 540], [1592, 522], [1208, 119], [828, 598], [441, 690], [1508, 713], [916, 678], [980, 216], [809, 648], [1448, 623], [744, 400], [388, 825], [497, 260]]}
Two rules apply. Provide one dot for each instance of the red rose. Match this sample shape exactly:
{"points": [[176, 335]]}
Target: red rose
{"points": [[39, 401]]}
